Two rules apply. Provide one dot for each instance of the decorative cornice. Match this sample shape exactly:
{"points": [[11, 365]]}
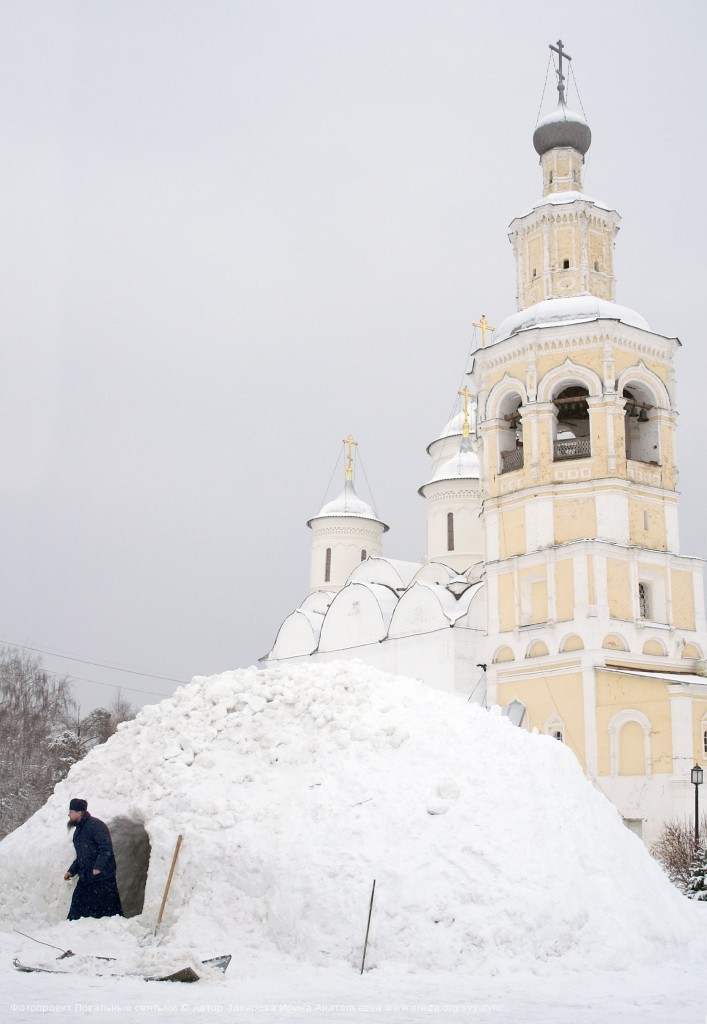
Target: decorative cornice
{"points": [[519, 346]]}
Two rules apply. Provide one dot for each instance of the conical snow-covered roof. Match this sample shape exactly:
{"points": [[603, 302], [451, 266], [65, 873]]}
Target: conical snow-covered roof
{"points": [[463, 465], [347, 505]]}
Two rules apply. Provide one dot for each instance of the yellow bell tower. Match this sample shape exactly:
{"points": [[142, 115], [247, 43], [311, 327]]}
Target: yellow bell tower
{"points": [[598, 622]]}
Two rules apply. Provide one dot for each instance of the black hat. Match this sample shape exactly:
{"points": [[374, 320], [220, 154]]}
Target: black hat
{"points": [[78, 805]]}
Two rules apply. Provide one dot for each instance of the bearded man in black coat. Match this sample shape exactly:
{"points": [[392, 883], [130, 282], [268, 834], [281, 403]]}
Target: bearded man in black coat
{"points": [[96, 893]]}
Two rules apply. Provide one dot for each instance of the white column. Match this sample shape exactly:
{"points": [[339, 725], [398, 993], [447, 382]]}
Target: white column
{"points": [[681, 726]]}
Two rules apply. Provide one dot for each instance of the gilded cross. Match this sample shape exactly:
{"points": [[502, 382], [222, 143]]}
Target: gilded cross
{"points": [[485, 326], [466, 394], [560, 77], [349, 442]]}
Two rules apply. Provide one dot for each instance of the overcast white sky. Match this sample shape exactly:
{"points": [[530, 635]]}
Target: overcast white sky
{"points": [[232, 232]]}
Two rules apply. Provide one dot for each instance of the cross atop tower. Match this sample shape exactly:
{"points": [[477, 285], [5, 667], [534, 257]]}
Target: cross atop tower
{"points": [[465, 393], [560, 77], [350, 443], [485, 326]]}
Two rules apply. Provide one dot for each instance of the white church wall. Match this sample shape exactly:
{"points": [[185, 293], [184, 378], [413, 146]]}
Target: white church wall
{"points": [[460, 499], [346, 538], [651, 800], [612, 516]]}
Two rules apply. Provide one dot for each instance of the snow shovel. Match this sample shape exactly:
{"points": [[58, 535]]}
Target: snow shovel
{"points": [[154, 939]]}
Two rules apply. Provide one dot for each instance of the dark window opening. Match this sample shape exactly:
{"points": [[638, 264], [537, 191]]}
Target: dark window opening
{"points": [[572, 440], [364, 555], [327, 566], [535, 272], [450, 531], [596, 264], [565, 264], [644, 600], [557, 734]]}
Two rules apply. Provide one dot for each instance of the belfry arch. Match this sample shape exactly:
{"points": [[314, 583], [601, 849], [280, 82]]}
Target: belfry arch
{"points": [[506, 406]]}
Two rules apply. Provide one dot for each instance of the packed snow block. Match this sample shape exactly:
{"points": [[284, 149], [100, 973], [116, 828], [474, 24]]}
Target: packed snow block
{"points": [[296, 786]]}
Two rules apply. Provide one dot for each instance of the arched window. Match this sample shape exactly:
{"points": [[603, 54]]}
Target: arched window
{"points": [[511, 434], [327, 566], [450, 531], [572, 440], [630, 743], [364, 555], [641, 425], [644, 600]]}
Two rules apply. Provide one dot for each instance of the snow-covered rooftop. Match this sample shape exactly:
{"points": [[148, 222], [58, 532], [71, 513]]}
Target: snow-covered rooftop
{"points": [[562, 198], [562, 128], [463, 465], [571, 310], [347, 504]]}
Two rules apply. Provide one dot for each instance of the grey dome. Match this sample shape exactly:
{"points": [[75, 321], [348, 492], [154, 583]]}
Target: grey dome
{"points": [[562, 128]]}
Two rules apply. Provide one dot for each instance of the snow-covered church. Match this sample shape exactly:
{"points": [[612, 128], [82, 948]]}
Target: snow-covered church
{"points": [[553, 585]]}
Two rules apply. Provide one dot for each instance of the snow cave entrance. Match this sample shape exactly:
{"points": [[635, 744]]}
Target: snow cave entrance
{"points": [[131, 845]]}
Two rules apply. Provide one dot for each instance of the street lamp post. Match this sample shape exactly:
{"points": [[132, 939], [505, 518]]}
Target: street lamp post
{"points": [[696, 774]]}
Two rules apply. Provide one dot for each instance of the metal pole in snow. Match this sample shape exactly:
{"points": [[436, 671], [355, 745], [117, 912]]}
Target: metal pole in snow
{"points": [[370, 911]]}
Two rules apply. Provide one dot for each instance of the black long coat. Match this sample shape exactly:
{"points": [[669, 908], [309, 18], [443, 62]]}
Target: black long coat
{"points": [[94, 895]]}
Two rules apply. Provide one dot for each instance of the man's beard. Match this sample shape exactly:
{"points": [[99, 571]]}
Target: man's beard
{"points": [[71, 824]]}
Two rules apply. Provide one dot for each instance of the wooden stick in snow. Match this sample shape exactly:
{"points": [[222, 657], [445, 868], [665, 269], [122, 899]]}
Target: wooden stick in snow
{"points": [[370, 911]]}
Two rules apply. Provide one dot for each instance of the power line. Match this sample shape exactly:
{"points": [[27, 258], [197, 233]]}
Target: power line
{"points": [[96, 664], [117, 686]]}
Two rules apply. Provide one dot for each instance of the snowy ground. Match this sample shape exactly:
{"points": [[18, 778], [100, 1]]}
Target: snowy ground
{"points": [[508, 889], [285, 990]]}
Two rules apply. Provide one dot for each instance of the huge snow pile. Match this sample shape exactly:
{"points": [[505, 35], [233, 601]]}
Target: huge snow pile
{"points": [[295, 787]]}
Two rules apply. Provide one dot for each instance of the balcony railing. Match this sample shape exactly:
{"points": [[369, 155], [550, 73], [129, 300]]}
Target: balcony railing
{"points": [[573, 448], [511, 460]]}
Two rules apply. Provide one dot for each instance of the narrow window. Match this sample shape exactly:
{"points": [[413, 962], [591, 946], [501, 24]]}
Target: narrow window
{"points": [[644, 600], [327, 566], [557, 735], [552, 174], [535, 272], [450, 531], [565, 264], [645, 520], [364, 555], [596, 264], [704, 742]]}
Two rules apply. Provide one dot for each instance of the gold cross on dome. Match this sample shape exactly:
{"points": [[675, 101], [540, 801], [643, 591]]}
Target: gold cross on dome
{"points": [[349, 442], [485, 326], [466, 394]]}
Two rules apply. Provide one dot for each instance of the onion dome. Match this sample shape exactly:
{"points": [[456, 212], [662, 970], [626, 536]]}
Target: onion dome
{"points": [[560, 129], [348, 505]]}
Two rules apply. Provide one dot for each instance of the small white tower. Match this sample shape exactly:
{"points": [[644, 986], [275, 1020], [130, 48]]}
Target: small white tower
{"points": [[344, 533], [453, 499]]}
